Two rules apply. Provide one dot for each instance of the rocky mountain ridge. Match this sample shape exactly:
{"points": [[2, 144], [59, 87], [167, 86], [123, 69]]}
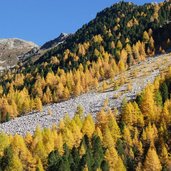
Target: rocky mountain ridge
{"points": [[52, 43], [14, 50], [11, 48], [36, 53]]}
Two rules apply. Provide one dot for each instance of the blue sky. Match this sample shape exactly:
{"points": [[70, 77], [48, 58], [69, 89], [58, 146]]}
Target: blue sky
{"points": [[43, 20]]}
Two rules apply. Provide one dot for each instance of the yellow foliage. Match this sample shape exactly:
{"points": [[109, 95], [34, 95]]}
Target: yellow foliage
{"points": [[152, 162], [88, 126]]}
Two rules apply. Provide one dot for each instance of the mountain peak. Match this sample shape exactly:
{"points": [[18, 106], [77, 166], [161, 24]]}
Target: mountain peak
{"points": [[63, 34], [11, 48], [11, 43], [60, 39]]}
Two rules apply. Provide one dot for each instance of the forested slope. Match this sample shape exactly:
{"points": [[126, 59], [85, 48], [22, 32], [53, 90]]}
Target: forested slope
{"points": [[110, 93], [137, 139], [91, 60], [117, 38], [123, 21]]}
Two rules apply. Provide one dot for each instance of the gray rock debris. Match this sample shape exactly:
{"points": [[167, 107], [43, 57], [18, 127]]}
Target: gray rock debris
{"points": [[91, 102]]}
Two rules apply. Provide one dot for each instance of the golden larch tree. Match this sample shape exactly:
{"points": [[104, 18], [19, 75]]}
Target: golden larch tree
{"points": [[152, 162]]}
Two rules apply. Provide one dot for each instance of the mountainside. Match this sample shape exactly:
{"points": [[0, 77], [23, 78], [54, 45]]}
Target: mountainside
{"points": [[35, 53], [52, 43], [124, 22], [15, 50], [136, 139], [120, 36], [93, 102], [113, 77], [162, 35], [12, 49]]}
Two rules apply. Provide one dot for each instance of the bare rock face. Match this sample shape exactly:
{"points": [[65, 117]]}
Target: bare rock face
{"points": [[11, 49]]}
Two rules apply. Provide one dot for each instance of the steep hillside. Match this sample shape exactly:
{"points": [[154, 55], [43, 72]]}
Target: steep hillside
{"points": [[112, 77], [163, 36], [123, 21], [11, 51], [132, 83], [119, 37], [137, 139]]}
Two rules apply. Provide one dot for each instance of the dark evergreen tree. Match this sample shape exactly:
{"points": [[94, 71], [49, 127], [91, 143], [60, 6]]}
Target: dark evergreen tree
{"points": [[158, 98], [104, 166], [98, 152], [8, 153], [54, 160], [76, 159], [164, 91]]}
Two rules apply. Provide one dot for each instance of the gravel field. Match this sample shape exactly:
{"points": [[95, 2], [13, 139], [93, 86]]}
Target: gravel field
{"points": [[91, 102]]}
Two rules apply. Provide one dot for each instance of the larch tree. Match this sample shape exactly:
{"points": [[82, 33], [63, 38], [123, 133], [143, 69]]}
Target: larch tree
{"points": [[14, 164], [68, 138], [58, 144], [138, 118], [129, 49], [101, 119], [119, 45], [47, 96], [114, 160], [60, 89], [5, 142], [135, 51], [66, 93], [76, 133], [77, 89], [121, 65], [151, 132], [141, 48], [124, 54], [88, 126], [139, 167], [148, 104], [37, 146], [28, 139], [127, 136], [112, 45], [152, 162], [127, 114], [151, 44], [38, 104], [98, 133], [39, 166], [113, 126], [20, 149], [107, 138], [51, 79], [145, 37], [164, 156], [14, 110], [165, 114], [48, 140]]}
